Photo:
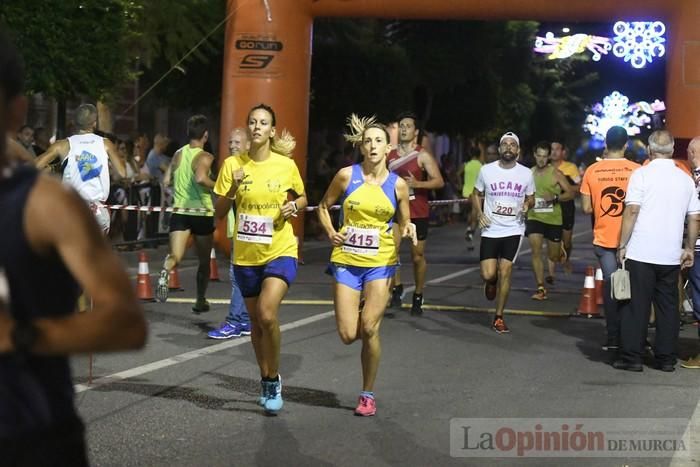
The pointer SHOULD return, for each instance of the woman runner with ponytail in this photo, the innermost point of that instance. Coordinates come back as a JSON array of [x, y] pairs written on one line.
[[364, 256], [264, 246]]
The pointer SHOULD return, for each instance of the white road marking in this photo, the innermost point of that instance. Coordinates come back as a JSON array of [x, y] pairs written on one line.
[[183, 357]]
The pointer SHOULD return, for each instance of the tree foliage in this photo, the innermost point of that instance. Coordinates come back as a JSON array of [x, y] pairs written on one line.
[[93, 47], [471, 77], [72, 47], [182, 51]]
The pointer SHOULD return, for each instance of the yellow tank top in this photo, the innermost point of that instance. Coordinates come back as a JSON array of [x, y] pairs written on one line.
[[367, 216]]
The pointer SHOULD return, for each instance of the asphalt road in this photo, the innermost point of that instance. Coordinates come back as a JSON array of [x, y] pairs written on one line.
[[190, 401]]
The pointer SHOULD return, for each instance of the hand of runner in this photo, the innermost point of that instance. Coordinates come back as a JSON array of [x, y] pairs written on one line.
[[238, 176], [484, 221], [337, 238], [410, 232], [410, 180], [289, 209]]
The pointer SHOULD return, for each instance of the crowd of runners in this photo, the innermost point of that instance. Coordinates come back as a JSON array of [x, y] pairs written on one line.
[[383, 199]]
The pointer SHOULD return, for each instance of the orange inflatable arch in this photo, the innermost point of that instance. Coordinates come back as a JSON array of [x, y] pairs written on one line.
[[268, 50]]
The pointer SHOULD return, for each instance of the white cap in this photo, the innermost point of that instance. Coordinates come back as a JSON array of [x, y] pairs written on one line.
[[510, 134]]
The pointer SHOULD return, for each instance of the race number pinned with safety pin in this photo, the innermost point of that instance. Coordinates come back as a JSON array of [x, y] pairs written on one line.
[[505, 208], [254, 229], [543, 206], [361, 241]]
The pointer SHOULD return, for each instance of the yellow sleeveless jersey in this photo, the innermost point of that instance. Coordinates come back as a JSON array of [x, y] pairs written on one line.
[[260, 232], [367, 216], [570, 170]]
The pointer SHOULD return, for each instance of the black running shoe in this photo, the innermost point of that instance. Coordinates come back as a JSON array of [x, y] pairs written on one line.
[[396, 296], [417, 306]]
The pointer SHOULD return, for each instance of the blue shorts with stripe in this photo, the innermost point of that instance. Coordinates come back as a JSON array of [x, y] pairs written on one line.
[[356, 277]]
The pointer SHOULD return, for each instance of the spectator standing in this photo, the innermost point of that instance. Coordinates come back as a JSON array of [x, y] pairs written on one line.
[[603, 191], [659, 192]]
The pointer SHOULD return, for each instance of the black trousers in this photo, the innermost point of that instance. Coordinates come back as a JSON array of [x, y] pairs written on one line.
[[658, 284]]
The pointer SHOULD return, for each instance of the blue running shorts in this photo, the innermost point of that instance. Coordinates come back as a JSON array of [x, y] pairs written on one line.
[[250, 278], [356, 276]]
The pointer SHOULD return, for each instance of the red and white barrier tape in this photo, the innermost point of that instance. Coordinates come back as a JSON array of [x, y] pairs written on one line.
[[133, 207]]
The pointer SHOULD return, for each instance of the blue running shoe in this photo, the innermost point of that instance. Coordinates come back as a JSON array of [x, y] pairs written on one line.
[[225, 331], [244, 329], [264, 391], [274, 402]]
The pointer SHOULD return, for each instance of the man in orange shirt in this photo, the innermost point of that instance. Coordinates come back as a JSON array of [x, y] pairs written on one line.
[[603, 191]]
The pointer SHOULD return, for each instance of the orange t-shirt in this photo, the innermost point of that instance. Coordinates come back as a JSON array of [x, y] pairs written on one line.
[[681, 164], [606, 183]]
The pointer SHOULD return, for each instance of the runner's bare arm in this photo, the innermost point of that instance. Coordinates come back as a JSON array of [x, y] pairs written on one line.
[[529, 202], [202, 169], [568, 193], [477, 202], [16, 152], [168, 176], [58, 149], [58, 221], [335, 190], [407, 229], [586, 204], [222, 206], [434, 181], [114, 158], [477, 198]]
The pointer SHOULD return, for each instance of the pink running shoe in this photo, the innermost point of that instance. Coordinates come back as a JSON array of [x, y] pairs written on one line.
[[366, 407]]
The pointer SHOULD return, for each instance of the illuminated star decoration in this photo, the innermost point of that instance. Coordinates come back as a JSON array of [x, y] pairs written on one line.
[[617, 111], [639, 42], [566, 46]]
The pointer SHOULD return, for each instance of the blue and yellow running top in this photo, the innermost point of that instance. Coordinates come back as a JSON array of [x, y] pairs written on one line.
[[367, 216]]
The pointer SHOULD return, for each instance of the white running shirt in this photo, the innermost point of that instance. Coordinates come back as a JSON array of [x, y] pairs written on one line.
[[87, 167], [504, 195]]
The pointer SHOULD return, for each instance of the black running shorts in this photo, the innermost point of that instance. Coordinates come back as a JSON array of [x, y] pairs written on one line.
[[497, 248], [198, 225]]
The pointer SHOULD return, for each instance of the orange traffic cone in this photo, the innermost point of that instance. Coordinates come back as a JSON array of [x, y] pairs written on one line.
[[174, 280], [144, 289], [213, 267], [599, 287], [587, 306]]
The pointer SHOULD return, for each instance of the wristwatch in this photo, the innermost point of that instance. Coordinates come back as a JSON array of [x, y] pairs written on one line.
[[24, 336]]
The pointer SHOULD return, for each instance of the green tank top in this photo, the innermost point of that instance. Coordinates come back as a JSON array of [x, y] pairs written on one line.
[[545, 184], [471, 173], [187, 193]]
